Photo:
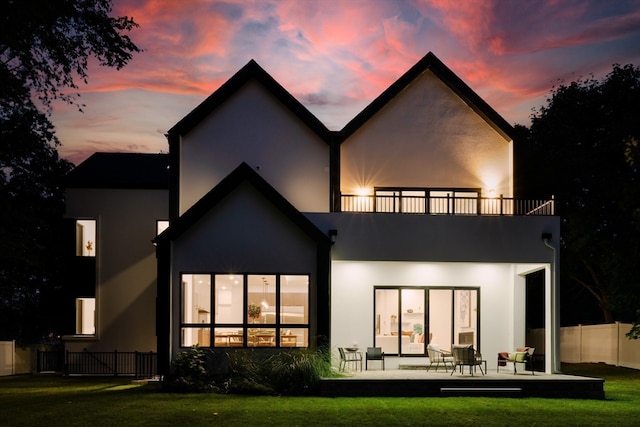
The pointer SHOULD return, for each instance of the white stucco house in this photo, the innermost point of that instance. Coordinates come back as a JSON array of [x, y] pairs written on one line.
[[398, 230]]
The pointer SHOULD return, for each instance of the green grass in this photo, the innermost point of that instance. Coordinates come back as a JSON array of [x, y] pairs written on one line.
[[60, 401]]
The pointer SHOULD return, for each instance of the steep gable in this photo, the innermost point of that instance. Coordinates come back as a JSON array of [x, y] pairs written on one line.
[[432, 63], [242, 174], [250, 71], [251, 119], [427, 130]]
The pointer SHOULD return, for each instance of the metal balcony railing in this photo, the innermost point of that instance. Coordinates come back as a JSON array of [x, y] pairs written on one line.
[[449, 205]]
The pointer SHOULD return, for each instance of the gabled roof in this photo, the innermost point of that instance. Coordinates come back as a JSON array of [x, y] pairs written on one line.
[[121, 170], [250, 71], [448, 77], [243, 173]]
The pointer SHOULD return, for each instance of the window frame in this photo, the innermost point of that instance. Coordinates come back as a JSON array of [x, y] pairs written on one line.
[[426, 320], [278, 327]]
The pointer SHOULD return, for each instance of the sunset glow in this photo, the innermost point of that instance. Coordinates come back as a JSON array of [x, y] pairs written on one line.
[[336, 56]]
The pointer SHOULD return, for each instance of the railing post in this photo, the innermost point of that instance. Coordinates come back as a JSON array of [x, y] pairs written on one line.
[[501, 204], [115, 362]]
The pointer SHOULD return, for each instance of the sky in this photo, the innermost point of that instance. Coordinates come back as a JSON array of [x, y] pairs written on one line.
[[336, 56]]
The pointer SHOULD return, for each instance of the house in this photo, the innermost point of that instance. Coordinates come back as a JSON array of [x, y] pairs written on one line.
[[116, 203], [399, 230]]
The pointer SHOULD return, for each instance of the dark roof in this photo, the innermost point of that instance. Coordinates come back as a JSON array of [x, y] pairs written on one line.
[[250, 71], [121, 170], [431, 62], [242, 173]]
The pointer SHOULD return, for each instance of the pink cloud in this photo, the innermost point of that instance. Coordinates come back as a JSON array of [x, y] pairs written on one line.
[[338, 58]]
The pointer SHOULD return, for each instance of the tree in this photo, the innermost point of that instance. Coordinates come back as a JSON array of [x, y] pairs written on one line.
[[45, 47], [582, 147]]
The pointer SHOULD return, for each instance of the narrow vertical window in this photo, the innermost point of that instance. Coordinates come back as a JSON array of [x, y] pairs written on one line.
[[85, 316], [229, 310], [261, 310], [86, 237], [196, 309], [294, 311]]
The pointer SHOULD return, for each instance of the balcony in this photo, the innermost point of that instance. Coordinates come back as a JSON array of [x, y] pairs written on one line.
[[422, 202]]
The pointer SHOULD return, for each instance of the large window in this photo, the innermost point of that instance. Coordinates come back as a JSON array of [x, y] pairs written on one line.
[[249, 310], [409, 318]]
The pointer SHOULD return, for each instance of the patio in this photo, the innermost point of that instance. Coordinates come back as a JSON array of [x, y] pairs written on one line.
[[408, 377]]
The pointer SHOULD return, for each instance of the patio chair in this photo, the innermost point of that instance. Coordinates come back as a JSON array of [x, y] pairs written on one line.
[[347, 357], [438, 357], [521, 355], [465, 355], [373, 353]]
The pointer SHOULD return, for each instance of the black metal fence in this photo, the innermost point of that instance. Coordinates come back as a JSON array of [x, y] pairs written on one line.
[[112, 363]]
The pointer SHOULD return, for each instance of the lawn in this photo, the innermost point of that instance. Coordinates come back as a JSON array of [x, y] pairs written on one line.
[[52, 400]]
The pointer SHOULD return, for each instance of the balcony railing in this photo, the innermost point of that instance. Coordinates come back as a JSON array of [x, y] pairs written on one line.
[[449, 205]]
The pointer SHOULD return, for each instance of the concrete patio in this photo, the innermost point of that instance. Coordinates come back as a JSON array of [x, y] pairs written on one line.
[[408, 377]]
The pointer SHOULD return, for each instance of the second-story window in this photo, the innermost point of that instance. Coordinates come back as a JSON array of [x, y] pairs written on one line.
[[86, 237]]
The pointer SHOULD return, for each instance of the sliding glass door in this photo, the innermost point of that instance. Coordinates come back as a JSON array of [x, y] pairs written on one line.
[[409, 318]]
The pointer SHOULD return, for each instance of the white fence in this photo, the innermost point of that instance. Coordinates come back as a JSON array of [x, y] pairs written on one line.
[[15, 359], [7, 358], [593, 344]]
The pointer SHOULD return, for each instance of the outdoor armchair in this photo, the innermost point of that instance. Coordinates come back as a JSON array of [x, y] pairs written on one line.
[[374, 353], [465, 355], [438, 357], [521, 355], [347, 357]]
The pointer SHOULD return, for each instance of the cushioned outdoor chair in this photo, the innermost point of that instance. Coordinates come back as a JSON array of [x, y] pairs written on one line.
[[374, 353], [439, 357], [521, 355], [465, 355], [347, 357]]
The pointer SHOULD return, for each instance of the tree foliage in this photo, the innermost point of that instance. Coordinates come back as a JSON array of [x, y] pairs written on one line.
[[45, 47], [46, 44], [583, 148]]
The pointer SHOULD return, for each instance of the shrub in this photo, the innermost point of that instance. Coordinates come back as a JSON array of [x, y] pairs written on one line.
[[191, 373], [247, 371], [298, 372]]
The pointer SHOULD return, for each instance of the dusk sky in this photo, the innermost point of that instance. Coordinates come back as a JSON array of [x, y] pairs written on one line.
[[336, 56]]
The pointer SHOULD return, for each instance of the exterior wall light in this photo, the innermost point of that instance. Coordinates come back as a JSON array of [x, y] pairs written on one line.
[[332, 235]]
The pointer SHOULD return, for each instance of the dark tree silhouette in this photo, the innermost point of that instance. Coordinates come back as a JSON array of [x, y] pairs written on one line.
[[45, 46], [583, 148]]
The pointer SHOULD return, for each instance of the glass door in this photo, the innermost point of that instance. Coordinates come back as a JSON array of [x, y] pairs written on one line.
[[409, 318], [387, 322], [400, 321], [412, 321]]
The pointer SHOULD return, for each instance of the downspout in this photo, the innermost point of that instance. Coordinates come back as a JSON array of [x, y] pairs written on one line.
[[555, 307]]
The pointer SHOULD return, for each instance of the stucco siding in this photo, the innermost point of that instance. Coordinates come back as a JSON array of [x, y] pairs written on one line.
[[254, 127], [427, 136], [126, 265], [501, 297], [445, 238], [244, 233]]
